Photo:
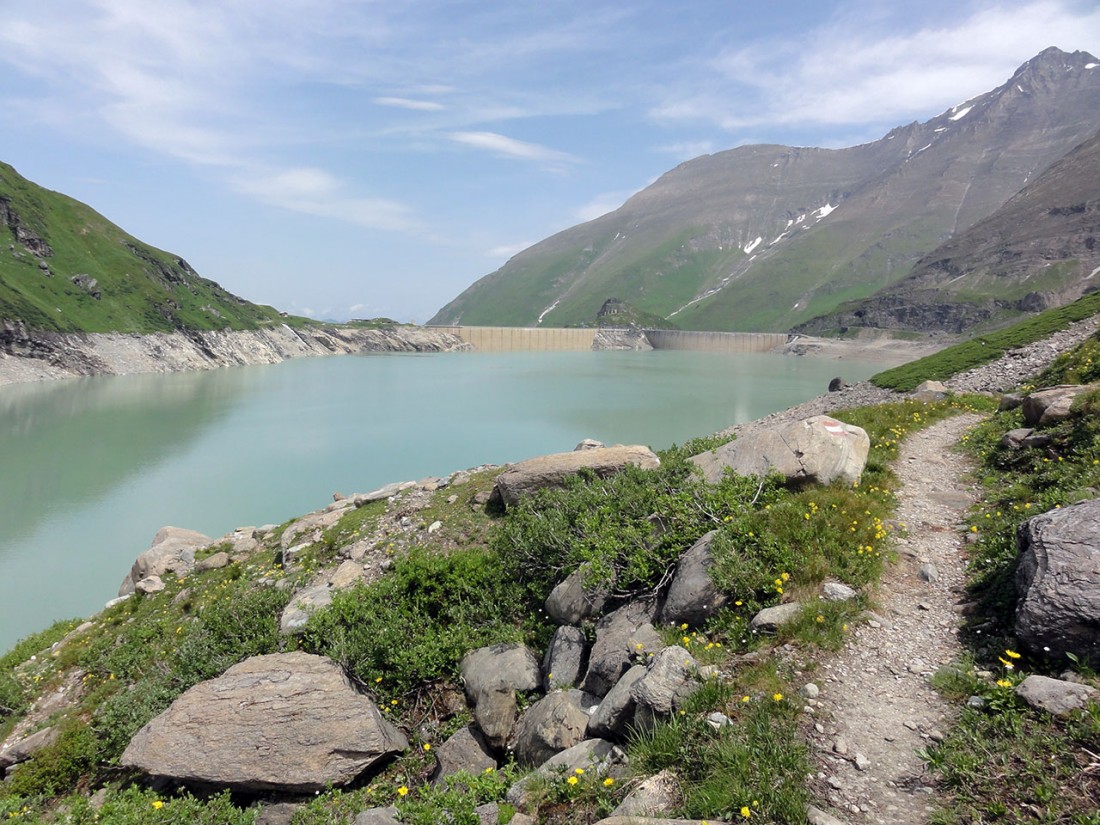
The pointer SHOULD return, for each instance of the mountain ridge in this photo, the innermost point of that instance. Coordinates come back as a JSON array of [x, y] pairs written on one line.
[[765, 237]]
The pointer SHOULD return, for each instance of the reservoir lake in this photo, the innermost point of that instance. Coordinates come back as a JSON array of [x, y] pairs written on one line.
[[91, 468]]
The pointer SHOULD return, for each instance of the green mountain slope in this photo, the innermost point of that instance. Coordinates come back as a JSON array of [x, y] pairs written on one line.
[[66, 268], [1040, 250], [767, 237]]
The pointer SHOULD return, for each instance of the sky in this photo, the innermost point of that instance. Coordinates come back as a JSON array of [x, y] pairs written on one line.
[[356, 159]]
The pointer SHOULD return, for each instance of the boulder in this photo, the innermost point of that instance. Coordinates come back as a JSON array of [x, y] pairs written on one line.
[[571, 602], [588, 444], [656, 795], [769, 619], [1052, 404], [172, 551], [551, 725], [565, 659], [348, 574], [623, 638], [466, 750], [615, 713], [837, 592], [12, 753], [378, 816], [303, 604], [693, 596], [815, 450], [668, 679], [1009, 401], [149, 585], [549, 471], [597, 755], [215, 561], [1058, 581], [491, 676], [1055, 696], [287, 722]]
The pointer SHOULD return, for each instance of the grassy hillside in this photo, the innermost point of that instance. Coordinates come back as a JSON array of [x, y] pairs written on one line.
[[121, 285]]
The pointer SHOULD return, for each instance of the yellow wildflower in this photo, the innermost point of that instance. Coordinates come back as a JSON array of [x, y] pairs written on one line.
[[778, 697], [572, 780], [607, 783], [403, 790], [158, 804]]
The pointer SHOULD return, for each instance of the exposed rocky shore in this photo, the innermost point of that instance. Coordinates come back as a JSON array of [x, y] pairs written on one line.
[[27, 355]]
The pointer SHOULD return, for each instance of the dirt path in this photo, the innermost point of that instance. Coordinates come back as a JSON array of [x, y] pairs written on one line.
[[879, 706]]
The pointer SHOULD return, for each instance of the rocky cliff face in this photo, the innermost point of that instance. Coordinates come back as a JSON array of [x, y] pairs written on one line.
[[29, 355]]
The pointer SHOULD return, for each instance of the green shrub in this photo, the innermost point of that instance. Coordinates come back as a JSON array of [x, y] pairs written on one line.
[[412, 626], [56, 768]]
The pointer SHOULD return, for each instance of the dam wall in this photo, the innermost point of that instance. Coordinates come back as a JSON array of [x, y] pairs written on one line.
[[534, 339], [736, 342]]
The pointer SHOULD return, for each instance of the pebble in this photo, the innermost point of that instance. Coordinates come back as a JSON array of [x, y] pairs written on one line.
[[862, 762], [810, 691], [840, 745]]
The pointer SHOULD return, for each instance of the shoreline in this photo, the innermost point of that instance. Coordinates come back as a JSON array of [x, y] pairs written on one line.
[[27, 356]]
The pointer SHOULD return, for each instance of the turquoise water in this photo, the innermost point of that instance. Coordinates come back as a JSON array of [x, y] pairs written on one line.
[[91, 468]]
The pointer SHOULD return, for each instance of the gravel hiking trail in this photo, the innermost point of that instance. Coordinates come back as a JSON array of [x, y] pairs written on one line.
[[877, 708]]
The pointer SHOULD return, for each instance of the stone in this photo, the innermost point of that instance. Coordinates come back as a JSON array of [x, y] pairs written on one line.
[[862, 762], [669, 678], [490, 677], [348, 574], [149, 585], [495, 715], [1058, 582], [615, 713], [818, 450], [816, 816], [215, 561], [303, 604], [550, 471], [931, 386], [718, 720], [378, 816], [693, 596], [382, 493], [769, 619], [1056, 696], [1014, 439], [286, 722], [571, 602], [588, 444], [171, 551], [623, 638], [277, 813], [837, 592], [487, 814], [1009, 401], [928, 573], [1052, 404], [840, 746], [13, 753], [596, 755], [565, 660], [809, 691], [465, 750], [551, 725], [656, 795]]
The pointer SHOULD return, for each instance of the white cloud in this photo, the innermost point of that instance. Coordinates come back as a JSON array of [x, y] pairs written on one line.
[[316, 192], [408, 103], [861, 67], [512, 148], [505, 251]]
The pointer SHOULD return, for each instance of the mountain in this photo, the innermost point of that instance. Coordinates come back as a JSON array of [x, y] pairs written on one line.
[[767, 237], [1039, 250], [66, 268]]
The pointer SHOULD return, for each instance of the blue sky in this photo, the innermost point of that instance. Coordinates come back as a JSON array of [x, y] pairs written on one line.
[[351, 158]]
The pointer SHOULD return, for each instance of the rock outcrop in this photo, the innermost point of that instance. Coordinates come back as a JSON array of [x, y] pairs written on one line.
[[289, 722], [172, 551], [818, 449], [1058, 580], [549, 471]]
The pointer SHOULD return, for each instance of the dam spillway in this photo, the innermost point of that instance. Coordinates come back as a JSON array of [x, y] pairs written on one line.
[[558, 339]]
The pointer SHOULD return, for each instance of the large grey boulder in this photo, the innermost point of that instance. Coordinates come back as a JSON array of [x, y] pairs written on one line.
[[172, 551], [815, 450], [565, 659], [693, 596], [289, 722], [20, 750], [551, 725], [491, 676], [1052, 404], [623, 638], [770, 619], [466, 750], [653, 796], [1058, 580], [669, 678], [303, 604], [549, 471], [1055, 696], [571, 601], [616, 712]]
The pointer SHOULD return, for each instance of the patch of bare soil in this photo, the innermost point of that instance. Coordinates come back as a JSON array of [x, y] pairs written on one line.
[[879, 707]]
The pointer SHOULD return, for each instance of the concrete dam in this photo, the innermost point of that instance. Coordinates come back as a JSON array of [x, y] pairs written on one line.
[[535, 339]]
